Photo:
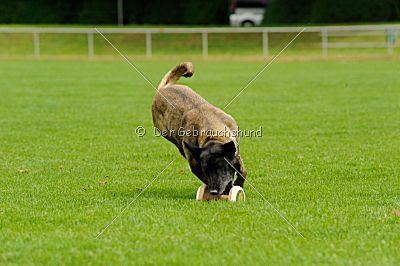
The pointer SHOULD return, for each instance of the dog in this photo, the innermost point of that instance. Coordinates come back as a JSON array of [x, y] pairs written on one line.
[[191, 123]]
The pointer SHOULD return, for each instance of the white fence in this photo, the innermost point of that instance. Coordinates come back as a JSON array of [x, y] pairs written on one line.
[[389, 31]]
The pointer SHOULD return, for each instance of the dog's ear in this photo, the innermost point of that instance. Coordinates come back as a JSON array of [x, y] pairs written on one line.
[[195, 151], [229, 149]]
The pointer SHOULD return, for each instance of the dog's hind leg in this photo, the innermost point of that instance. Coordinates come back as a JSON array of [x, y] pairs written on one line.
[[182, 152], [241, 176]]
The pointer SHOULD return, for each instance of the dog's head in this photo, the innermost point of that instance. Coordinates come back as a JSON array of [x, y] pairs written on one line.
[[216, 160]]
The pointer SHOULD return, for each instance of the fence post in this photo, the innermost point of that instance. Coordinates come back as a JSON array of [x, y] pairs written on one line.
[[90, 45], [36, 44], [148, 43], [204, 38], [265, 43], [324, 34], [390, 39]]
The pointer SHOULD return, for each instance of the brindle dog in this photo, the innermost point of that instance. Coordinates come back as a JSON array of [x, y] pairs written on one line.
[[191, 123]]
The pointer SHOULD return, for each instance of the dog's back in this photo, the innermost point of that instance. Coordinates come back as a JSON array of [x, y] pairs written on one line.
[[176, 105]]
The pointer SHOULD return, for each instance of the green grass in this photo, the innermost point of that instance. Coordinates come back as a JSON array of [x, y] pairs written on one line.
[[328, 161]]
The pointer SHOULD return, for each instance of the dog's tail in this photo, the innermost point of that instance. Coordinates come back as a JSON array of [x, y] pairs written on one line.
[[182, 70]]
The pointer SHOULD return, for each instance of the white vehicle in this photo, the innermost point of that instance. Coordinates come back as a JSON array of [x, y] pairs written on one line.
[[247, 13]]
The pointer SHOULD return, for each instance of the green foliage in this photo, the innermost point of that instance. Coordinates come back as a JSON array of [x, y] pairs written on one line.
[[153, 12], [331, 11], [177, 12], [197, 12], [105, 11], [97, 12], [40, 11], [287, 11], [355, 11]]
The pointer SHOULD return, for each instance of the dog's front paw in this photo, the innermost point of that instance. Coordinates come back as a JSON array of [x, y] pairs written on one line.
[[239, 183]]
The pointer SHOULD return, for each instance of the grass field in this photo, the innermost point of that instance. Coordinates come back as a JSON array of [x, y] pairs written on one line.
[[328, 160]]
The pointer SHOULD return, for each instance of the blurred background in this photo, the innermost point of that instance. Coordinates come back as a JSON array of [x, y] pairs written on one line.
[[233, 28]]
